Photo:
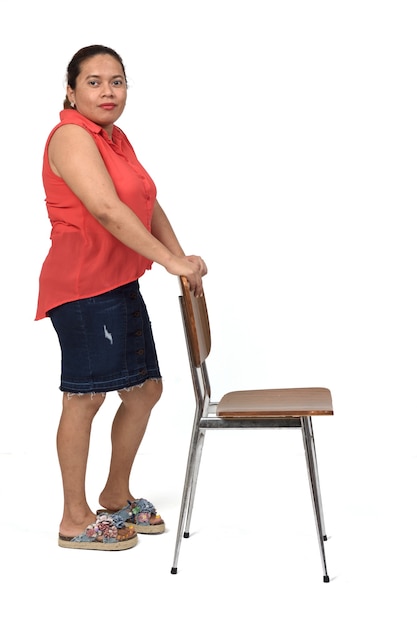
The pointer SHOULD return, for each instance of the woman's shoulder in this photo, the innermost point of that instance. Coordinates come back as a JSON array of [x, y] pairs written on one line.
[[72, 121], [71, 116]]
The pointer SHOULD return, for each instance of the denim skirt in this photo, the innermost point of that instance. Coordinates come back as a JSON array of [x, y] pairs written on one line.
[[106, 342]]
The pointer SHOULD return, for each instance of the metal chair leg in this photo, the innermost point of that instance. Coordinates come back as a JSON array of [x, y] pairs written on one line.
[[316, 471], [187, 490], [309, 448], [194, 478]]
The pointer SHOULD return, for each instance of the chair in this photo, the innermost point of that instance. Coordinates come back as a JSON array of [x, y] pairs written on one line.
[[261, 408]]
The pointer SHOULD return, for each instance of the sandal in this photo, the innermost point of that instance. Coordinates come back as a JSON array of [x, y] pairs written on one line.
[[108, 532], [138, 514]]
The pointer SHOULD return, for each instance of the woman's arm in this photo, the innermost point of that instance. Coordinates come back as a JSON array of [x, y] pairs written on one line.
[[163, 231], [74, 157]]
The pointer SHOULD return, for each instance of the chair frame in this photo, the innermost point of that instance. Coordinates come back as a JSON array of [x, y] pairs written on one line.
[[210, 415]]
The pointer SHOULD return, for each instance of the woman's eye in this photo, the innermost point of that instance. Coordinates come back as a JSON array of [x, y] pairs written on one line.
[[118, 83], [93, 83]]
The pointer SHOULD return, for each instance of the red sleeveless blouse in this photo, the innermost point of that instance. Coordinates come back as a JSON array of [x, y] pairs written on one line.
[[84, 259]]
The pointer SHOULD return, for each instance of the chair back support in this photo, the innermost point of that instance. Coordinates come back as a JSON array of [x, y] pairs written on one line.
[[197, 324]]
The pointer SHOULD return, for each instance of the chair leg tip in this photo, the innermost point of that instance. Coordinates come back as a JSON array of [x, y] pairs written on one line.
[[326, 579], [174, 570], [186, 535], [324, 537]]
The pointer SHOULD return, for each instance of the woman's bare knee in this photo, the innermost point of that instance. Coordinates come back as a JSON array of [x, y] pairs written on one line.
[[147, 394], [87, 403]]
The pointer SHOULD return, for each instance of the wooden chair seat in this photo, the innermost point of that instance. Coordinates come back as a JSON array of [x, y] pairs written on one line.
[[261, 403]]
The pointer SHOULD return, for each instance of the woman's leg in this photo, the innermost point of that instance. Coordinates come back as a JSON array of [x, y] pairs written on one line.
[[73, 441], [128, 429]]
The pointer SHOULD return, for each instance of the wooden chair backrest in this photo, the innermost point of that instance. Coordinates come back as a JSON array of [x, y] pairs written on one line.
[[197, 324]]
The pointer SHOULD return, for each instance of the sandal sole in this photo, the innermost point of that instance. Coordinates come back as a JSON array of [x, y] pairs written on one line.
[[151, 529], [98, 545]]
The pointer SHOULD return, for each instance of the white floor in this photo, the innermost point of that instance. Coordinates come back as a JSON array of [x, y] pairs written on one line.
[[253, 554]]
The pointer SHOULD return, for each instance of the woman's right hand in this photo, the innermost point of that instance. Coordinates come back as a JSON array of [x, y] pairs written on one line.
[[193, 268]]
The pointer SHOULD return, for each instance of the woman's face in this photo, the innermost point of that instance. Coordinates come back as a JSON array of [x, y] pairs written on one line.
[[100, 91]]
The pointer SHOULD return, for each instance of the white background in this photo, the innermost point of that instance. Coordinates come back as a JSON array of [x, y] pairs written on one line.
[[281, 136]]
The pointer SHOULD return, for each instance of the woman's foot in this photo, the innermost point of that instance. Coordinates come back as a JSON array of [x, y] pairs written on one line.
[[73, 526], [141, 514], [106, 532]]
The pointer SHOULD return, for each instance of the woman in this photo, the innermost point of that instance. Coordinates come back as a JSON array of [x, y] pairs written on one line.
[[107, 229]]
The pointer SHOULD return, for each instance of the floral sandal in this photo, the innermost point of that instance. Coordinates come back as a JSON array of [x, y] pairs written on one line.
[[108, 532], [138, 513]]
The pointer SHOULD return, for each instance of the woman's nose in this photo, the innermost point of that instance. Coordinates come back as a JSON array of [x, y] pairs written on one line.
[[107, 89]]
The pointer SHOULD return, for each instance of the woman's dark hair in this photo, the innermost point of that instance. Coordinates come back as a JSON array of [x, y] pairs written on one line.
[[74, 66]]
